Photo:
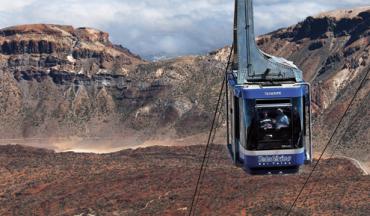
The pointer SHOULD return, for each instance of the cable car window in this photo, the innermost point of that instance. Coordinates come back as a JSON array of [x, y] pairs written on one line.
[[274, 125], [271, 127]]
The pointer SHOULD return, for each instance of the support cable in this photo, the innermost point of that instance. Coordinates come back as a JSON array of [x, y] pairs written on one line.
[[327, 145], [206, 152], [207, 160], [341, 138]]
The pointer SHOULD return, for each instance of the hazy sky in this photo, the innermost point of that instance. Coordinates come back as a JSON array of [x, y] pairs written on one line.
[[164, 27]]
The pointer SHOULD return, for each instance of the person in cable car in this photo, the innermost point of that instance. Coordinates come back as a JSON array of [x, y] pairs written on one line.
[[282, 121], [266, 122]]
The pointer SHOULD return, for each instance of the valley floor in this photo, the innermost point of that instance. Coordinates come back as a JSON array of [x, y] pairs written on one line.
[[161, 181]]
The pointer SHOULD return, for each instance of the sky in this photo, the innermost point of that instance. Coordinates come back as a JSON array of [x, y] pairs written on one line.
[[153, 28]]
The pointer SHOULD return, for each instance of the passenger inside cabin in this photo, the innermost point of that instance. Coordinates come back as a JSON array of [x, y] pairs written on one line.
[[282, 121], [266, 122]]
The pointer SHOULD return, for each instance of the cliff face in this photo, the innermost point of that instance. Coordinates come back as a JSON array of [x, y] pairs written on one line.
[[59, 81], [53, 76], [62, 48]]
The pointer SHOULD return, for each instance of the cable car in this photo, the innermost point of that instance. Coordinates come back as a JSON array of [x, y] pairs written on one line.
[[269, 104]]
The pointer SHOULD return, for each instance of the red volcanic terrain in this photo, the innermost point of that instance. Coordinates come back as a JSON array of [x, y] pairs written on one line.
[[161, 180]]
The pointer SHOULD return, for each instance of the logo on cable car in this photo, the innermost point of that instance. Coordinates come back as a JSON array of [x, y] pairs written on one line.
[[273, 93], [274, 159]]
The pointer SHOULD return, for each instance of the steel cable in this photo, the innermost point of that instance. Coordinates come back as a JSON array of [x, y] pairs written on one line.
[[327, 145], [209, 140]]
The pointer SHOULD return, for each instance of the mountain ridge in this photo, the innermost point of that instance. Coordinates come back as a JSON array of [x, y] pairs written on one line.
[[84, 86]]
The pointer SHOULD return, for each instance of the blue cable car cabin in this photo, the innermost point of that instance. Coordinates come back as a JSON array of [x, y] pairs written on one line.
[[269, 127], [269, 106]]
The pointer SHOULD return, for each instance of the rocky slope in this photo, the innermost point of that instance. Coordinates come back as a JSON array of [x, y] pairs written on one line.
[[160, 181], [50, 72], [57, 81], [333, 51]]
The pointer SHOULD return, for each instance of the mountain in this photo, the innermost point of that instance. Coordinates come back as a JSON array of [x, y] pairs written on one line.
[[55, 76], [57, 81], [333, 51]]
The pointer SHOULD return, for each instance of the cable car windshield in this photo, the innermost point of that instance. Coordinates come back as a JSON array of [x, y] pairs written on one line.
[[275, 126]]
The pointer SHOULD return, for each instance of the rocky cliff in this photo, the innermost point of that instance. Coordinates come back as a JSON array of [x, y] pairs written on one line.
[[57, 81]]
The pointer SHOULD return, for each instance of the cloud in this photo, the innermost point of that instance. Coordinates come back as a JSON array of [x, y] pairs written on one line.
[[14, 5], [164, 27]]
